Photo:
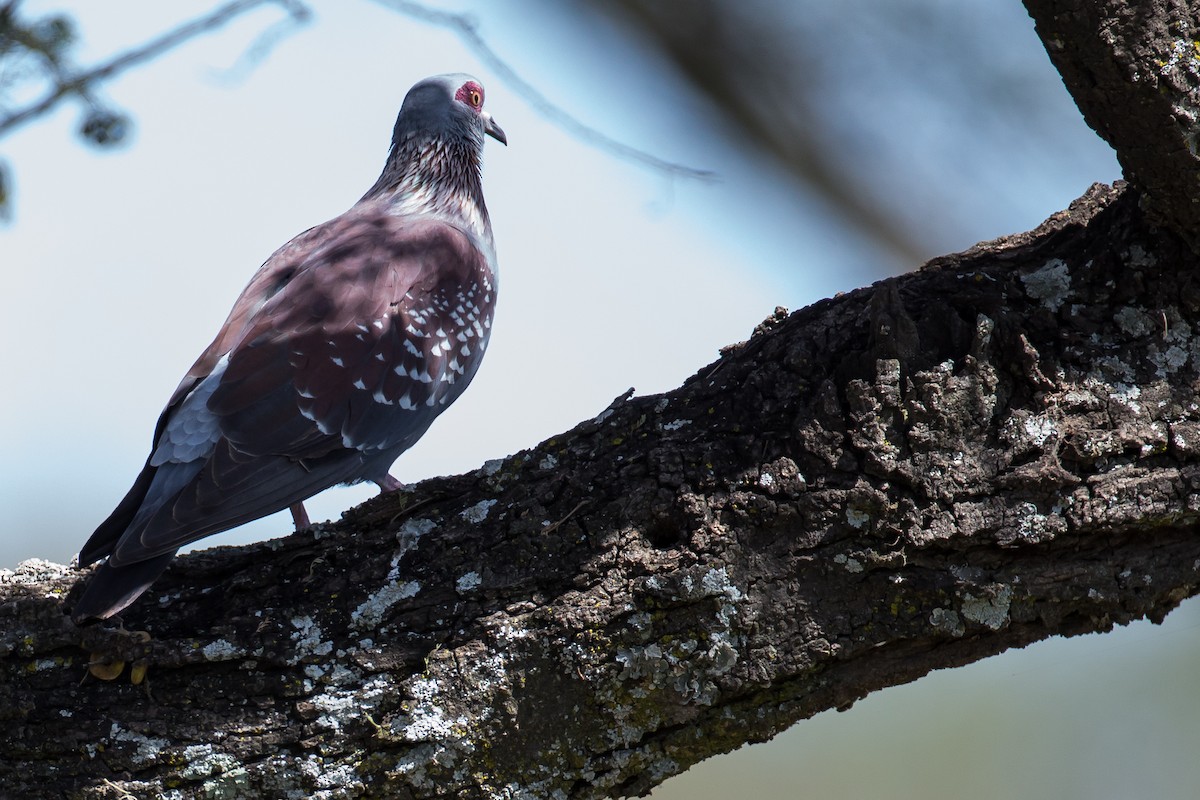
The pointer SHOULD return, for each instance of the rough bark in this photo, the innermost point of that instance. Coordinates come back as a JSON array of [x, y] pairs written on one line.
[[1001, 447], [1133, 67]]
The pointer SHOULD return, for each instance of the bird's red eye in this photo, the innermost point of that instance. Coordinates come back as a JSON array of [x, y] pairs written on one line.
[[471, 93]]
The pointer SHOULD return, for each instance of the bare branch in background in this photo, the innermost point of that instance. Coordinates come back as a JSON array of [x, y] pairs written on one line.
[[267, 41], [68, 84], [38, 50], [468, 30], [755, 74], [896, 114]]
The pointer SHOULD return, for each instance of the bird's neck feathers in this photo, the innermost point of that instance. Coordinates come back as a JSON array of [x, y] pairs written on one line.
[[426, 175]]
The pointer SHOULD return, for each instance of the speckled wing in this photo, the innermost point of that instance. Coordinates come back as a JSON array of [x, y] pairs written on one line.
[[351, 354], [339, 360]]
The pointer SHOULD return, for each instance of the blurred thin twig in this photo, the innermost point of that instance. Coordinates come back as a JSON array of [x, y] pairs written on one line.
[[254, 55], [468, 30]]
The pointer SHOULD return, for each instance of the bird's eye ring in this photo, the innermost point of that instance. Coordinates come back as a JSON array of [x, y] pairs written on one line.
[[471, 94]]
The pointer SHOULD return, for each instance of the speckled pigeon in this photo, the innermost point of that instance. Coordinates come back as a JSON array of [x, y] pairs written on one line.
[[336, 358]]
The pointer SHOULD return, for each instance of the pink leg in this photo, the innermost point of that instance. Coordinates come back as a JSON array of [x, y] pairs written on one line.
[[389, 484], [299, 516]]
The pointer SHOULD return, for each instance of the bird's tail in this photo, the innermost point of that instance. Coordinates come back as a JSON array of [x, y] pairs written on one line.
[[110, 589]]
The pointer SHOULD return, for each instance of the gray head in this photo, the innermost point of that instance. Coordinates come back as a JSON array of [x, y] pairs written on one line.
[[448, 108], [433, 166]]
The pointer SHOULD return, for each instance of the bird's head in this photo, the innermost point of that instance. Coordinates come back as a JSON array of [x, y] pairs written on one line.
[[434, 164], [446, 107]]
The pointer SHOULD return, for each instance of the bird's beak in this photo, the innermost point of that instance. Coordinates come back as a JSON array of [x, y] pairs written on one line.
[[493, 130]]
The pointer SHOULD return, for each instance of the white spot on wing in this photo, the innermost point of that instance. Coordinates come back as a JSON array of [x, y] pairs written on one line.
[[321, 426]]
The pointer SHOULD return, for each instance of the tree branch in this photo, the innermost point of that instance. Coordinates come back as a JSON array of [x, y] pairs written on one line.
[[915, 475], [748, 86], [1131, 66], [79, 83]]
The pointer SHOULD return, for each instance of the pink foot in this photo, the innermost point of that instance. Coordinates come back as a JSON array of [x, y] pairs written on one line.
[[299, 516], [388, 484]]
